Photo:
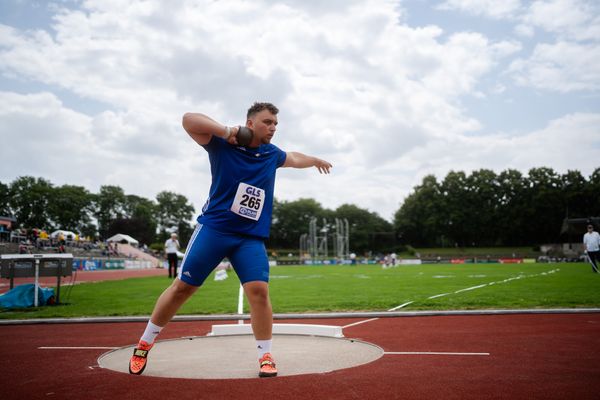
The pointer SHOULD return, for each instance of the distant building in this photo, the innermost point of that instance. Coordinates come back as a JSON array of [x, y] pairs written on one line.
[[7, 222], [6, 225]]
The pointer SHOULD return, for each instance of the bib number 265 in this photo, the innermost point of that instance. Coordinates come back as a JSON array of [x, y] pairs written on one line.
[[249, 201]]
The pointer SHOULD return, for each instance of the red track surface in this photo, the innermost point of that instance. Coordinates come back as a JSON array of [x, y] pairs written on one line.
[[534, 356]]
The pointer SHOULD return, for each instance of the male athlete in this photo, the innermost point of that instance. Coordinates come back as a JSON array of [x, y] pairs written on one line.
[[234, 223]]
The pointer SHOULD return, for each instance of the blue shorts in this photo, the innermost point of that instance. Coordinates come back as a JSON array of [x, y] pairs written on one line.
[[208, 247]]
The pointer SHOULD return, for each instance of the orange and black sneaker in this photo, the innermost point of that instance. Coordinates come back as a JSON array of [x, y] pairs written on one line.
[[267, 366], [137, 363]]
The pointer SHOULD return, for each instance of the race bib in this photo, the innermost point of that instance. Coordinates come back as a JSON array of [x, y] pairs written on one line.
[[249, 201]]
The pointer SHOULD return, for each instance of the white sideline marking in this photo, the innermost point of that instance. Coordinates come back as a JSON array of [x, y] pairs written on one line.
[[359, 322], [400, 306], [483, 285], [76, 348], [472, 288], [433, 353], [438, 295]]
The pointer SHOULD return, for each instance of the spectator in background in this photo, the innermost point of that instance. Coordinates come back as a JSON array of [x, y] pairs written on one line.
[[171, 249], [591, 245], [61, 239], [44, 238]]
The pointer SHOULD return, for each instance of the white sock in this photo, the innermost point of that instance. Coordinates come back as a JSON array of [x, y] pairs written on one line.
[[151, 332], [263, 347]]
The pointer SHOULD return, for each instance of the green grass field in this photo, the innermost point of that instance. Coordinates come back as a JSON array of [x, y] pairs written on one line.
[[302, 289]]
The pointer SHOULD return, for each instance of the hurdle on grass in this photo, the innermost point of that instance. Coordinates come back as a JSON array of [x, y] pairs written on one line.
[[34, 266]]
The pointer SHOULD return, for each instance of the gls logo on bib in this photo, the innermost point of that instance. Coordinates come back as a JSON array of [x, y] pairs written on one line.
[[249, 201]]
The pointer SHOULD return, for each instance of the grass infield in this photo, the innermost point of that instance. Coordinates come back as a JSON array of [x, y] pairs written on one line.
[[303, 289]]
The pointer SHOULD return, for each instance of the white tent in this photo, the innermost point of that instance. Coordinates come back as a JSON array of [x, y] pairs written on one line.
[[68, 235], [120, 237]]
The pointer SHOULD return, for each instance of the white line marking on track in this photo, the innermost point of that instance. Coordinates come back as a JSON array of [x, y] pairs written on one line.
[[433, 353], [359, 322], [76, 348]]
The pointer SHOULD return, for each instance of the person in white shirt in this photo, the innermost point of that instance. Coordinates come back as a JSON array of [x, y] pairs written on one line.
[[394, 258], [591, 245], [171, 249]]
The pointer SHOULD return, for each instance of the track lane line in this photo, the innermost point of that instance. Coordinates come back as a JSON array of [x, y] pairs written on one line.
[[433, 353], [76, 348], [359, 322]]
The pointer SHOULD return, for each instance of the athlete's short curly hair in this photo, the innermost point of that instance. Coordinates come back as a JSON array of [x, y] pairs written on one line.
[[258, 107]]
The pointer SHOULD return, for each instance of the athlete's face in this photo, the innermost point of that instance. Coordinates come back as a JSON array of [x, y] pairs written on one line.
[[264, 125]]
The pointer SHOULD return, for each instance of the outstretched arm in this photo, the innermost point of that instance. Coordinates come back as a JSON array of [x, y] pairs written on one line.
[[298, 160], [201, 128]]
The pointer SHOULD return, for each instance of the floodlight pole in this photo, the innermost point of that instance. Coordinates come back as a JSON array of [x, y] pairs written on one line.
[[347, 238], [312, 237]]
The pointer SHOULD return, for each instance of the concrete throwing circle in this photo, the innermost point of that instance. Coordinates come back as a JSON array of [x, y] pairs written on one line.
[[235, 356]]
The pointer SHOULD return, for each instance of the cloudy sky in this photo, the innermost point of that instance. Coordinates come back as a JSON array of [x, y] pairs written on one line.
[[92, 92]]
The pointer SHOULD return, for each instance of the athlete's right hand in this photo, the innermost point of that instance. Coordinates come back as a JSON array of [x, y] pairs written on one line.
[[232, 139]]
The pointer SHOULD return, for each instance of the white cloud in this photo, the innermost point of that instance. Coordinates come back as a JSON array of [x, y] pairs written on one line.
[[568, 142], [524, 30], [44, 138], [489, 8], [561, 67], [52, 141], [378, 98], [564, 140], [569, 19], [467, 57], [568, 61]]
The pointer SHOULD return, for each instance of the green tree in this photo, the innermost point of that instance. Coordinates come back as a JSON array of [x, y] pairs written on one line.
[[368, 231], [421, 219], [481, 199], [174, 211], [138, 220], [139, 207], [4, 200], [109, 204], [454, 203], [510, 224], [291, 219], [70, 207], [29, 199], [576, 203], [592, 193], [488, 209], [546, 205], [137, 228]]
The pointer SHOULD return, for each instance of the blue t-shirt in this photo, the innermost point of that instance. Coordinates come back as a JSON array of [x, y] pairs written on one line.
[[241, 193]]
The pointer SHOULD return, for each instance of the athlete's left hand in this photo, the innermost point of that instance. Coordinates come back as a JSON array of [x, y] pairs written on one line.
[[323, 166]]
